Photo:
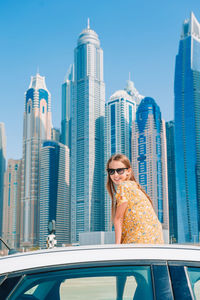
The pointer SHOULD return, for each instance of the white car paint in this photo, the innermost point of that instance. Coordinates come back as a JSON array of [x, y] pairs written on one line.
[[105, 253]]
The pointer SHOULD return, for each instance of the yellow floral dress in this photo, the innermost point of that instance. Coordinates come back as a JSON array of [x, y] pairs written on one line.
[[140, 224]]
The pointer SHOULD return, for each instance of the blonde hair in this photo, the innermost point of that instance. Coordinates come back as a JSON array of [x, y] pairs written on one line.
[[110, 185]]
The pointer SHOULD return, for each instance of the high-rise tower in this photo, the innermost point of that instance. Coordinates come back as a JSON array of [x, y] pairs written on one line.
[[171, 171], [120, 112], [54, 192], [67, 96], [150, 157], [2, 170], [37, 127], [187, 131], [11, 208], [86, 134]]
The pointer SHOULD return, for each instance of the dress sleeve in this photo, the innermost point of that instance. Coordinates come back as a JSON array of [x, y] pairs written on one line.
[[121, 194]]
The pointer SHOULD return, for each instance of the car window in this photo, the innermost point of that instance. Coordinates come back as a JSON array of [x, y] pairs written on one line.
[[109, 283], [7, 285], [194, 276], [180, 282]]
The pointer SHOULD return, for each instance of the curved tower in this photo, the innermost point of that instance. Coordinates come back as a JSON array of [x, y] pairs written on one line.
[[87, 136], [150, 157], [37, 127]]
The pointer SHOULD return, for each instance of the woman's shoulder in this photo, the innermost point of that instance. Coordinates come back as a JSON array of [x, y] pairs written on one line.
[[127, 184]]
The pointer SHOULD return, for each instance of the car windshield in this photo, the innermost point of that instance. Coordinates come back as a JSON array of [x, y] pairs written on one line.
[[110, 283]]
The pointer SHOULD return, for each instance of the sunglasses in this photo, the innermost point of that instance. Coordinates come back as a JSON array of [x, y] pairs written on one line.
[[119, 171]]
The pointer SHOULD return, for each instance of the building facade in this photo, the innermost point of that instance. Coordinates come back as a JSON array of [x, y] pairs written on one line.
[[171, 171], [11, 205], [83, 123], [54, 192], [66, 116], [187, 131], [133, 92], [120, 112], [37, 127], [150, 157], [55, 134], [2, 170]]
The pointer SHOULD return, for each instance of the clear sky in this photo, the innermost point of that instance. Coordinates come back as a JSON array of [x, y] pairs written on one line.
[[140, 37]]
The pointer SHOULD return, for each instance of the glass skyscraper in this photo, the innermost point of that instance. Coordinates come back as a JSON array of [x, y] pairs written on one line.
[[11, 207], [55, 134], [37, 127], [150, 157], [171, 171], [66, 115], [187, 131], [120, 111], [54, 192], [2, 170], [83, 132]]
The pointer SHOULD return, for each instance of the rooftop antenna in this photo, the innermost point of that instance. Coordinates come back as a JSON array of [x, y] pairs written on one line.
[[88, 23], [37, 69], [129, 76]]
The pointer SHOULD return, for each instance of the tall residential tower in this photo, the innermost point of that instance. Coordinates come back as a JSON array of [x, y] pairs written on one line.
[[171, 171], [11, 208], [37, 127], [54, 192], [120, 112], [150, 157], [187, 131], [84, 133], [2, 170]]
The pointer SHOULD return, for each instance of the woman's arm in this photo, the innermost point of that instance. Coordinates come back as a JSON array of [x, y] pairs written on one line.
[[119, 216]]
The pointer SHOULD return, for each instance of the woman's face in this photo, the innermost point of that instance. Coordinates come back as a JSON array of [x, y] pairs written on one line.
[[121, 175]]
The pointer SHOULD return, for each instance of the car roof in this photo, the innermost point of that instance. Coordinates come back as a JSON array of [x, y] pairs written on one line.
[[100, 253]]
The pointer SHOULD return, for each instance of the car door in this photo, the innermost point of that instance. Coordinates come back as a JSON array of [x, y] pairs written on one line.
[[109, 281]]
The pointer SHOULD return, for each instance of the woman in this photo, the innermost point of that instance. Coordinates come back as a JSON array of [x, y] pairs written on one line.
[[132, 212]]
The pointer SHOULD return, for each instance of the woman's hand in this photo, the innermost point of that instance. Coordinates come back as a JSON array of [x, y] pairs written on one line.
[[118, 221]]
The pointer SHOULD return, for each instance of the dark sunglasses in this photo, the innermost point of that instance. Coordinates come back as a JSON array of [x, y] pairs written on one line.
[[119, 171]]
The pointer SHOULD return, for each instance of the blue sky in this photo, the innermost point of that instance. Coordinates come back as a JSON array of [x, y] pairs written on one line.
[[140, 37]]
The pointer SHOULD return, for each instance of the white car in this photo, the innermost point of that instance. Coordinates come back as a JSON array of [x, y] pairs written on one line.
[[107, 272]]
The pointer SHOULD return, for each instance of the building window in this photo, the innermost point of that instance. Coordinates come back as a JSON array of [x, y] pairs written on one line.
[[143, 179], [142, 149], [43, 109], [142, 167], [142, 139]]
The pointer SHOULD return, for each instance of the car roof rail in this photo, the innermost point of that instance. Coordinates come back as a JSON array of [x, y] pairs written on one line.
[[10, 250]]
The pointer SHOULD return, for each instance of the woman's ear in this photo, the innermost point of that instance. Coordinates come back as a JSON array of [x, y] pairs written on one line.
[[128, 172]]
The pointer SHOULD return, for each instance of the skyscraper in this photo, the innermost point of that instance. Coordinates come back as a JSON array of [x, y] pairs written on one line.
[[54, 192], [86, 98], [37, 127], [133, 92], [120, 111], [2, 169], [187, 131], [150, 157], [67, 96], [171, 171], [11, 207], [55, 134]]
